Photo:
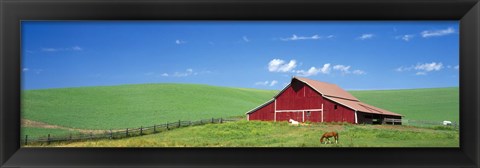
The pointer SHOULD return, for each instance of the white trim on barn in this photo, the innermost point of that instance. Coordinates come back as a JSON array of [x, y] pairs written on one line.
[[303, 116], [275, 110], [280, 111], [322, 112], [356, 119]]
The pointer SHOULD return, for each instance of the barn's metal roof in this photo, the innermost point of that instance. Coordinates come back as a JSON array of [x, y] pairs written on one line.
[[327, 89], [362, 107]]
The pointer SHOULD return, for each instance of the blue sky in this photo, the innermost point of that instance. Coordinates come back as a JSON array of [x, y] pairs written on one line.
[[265, 55]]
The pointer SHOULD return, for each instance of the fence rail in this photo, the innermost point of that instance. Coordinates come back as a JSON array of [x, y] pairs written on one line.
[[117, 134]]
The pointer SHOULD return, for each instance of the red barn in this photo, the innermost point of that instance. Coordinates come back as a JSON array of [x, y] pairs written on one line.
[[310, 100]]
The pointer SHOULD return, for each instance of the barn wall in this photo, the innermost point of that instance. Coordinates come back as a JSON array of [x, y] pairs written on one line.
[[285, 116], [315, 116], [341, 114], [266, 113], [299, 96]]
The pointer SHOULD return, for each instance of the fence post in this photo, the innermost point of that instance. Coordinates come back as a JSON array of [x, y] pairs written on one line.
[[221, 120], [26, 139], [48, 139], [167, 126], [91, 134], [126, 133], [201, 122], [212, 119], [189, 123], [141, 130], [154, 128], [179, 124]]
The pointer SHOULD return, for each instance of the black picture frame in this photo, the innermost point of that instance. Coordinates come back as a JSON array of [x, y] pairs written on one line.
[[14, 11]]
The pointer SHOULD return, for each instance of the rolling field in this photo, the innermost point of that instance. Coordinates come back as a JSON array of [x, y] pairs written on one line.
[[120, 107], [43, 132], [280, 134], [434, 104], [87, 109]]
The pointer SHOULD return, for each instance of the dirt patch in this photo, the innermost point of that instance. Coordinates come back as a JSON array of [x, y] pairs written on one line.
[[37, 124]]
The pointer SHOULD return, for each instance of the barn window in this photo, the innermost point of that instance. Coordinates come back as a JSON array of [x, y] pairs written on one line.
[[308, 113], [335, 107]]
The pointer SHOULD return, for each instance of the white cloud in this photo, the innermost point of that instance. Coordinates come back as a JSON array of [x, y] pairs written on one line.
[[456, 67], [421, 73], [74, 48], [188, 72], [359, 72], [401, 69], [278, 65], [434, 33], [25, 69], [180, 42], [77, 48], [406, 37], [366, 36], [325, 69], [273, 82], [314, 37], [50, 49], [345, 69], [314, 71], [422, 69], [429, 67], [245, 39], [342, 68], [267, 83]]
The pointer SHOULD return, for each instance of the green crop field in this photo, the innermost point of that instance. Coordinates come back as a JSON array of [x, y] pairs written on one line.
[[281, 134], [131, 106], [34, 132], [434, 104], [127, 106]]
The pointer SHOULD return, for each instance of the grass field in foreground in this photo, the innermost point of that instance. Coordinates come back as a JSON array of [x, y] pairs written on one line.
[[280, 134]]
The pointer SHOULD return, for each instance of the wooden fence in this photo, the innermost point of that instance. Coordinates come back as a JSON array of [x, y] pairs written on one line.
[[128, 132]]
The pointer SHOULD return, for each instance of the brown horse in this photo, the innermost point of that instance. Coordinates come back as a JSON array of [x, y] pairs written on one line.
[[328, 135]]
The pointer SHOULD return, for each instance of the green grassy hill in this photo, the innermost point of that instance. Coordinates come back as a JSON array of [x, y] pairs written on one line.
[[128, 106], [435, 104], [132, 106], [280, 134]]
